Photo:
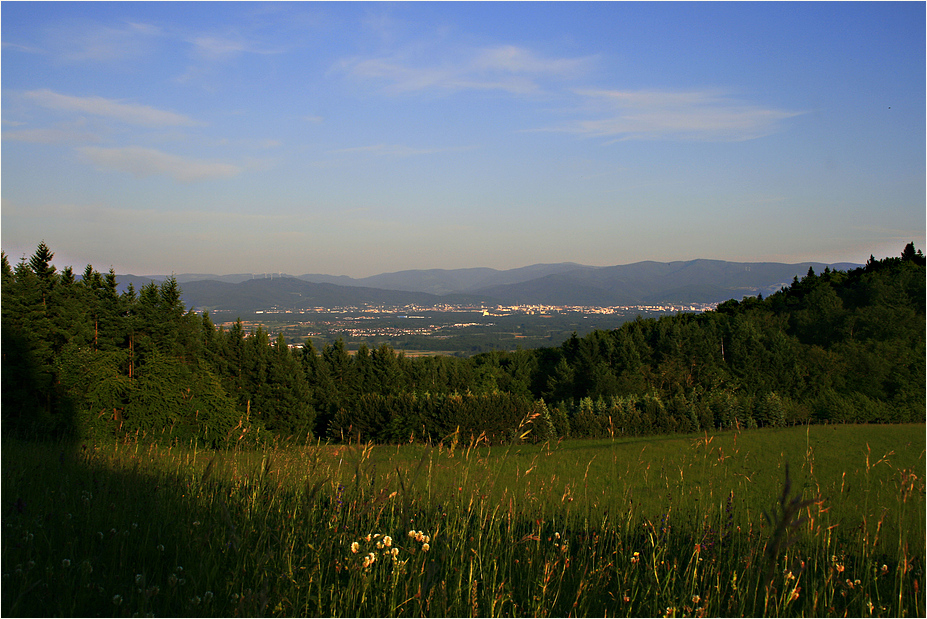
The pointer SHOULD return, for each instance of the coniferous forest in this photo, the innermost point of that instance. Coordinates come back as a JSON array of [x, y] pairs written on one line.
[[81, 359]]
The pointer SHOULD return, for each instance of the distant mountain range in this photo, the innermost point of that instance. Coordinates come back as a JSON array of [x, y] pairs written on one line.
[[641, 283]]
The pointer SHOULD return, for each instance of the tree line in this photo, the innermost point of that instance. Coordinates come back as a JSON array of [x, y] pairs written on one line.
[[81, 359]]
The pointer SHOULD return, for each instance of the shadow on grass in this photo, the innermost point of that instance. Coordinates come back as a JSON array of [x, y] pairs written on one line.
[[122, 530]]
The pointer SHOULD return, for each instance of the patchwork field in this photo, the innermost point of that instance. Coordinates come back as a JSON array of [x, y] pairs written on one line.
[[804, 521]]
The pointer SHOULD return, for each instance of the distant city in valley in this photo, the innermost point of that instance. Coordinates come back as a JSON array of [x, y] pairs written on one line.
[[467, 311], [460, 329], [445, 329], [501, 310]]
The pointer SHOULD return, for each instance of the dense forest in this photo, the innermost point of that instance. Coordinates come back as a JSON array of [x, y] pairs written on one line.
[[80, 359]]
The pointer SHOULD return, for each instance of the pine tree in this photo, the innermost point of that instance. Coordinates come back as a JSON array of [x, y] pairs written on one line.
[[386, 372], [292, 412]]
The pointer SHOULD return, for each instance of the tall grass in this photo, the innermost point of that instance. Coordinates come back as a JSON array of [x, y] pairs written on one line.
[[819, 521]]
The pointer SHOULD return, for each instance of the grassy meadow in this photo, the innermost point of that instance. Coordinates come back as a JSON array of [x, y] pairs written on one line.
[[802, 521]]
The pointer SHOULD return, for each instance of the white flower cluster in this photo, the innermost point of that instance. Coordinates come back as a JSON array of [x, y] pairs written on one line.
[[378, 542], [425, 540]]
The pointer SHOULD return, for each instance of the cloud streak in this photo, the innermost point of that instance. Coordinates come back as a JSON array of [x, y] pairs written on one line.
[[683, 115], [83, 42], [51, 135], [144, 162], [130, 113], [394, 150], [506, 68], [215, 47]]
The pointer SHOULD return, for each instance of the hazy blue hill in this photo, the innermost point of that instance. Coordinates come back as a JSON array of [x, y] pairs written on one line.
[[528, 273], [137, 281], [433, 281], [230, 279], [695, 281], [140, 280], [294, 293], [446, 281], [558, 289], [641, 283], [649, 282], [747, 275], [319, 278]]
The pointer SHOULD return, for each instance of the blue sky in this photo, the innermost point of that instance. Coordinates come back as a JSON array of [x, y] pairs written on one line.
[[360, 138]]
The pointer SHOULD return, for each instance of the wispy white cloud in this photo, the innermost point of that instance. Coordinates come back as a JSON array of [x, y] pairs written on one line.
[[505, 68], [78, 42], [30, 49], [144, 162], [682, 115], [131, 113], [210, 52], [82, 41], [51, 135], [216, 47], [394, 150], [513, 59]]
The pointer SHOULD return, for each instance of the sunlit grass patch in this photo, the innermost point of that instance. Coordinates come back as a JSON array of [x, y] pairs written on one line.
[[687, 525]]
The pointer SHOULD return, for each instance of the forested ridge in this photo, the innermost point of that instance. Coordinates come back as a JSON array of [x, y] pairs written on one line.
[[81, 359]]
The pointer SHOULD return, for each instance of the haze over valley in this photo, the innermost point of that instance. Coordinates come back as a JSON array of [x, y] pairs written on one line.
[[466, 311], [695, 282]]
